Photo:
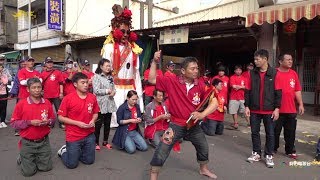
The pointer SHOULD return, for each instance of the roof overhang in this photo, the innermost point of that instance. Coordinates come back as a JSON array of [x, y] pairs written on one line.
[[203, 28], [284, 12]]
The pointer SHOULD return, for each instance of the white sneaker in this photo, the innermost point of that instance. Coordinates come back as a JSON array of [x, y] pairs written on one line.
[[255, 157], [3, 124], [269, 161], [62, 150]]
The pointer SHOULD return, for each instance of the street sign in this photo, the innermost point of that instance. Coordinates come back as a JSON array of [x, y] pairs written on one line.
[[174, 36], [54, 14]]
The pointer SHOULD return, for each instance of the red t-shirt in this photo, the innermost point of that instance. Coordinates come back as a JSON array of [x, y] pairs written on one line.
[[148, 89], [225, 87], [289, 83], [28, 110], [89, 74], [216, 115], [237, 94], [75, 108], [182, 102], [134, 115], [24, 74], [262, 76], [68, 86], [51, 83], [162, 124], [170, 74], [204, 79]]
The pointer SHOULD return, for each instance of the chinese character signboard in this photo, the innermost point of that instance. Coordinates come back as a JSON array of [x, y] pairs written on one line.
[[54, 14], [174, 36]]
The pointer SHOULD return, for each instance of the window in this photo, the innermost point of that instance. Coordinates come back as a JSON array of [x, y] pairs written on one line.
[[40, 17]]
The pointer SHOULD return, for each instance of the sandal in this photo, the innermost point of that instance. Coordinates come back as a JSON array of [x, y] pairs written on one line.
[[235, 125], [107, 145]]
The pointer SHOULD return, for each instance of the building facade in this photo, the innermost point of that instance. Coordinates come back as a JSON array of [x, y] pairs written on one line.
[[292, 26], [8, 25]]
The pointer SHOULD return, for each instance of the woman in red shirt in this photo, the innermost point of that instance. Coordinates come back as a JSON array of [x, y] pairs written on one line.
[[128, 135]]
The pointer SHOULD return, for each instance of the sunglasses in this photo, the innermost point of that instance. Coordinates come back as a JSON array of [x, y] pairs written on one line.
[[124, 31]]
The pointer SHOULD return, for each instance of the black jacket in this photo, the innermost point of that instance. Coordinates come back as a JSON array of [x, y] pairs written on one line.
[[271, 97]]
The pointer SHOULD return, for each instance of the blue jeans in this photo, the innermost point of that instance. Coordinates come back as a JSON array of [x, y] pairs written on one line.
[[82, 150], [212, 127], [134, 141], [255, 121], [156, 138], [195, 135]]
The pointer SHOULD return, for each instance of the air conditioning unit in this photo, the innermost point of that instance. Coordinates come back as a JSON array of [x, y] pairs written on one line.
[[263, 3]]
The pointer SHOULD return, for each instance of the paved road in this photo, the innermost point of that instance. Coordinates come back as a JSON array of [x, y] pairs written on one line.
[[227, 158]]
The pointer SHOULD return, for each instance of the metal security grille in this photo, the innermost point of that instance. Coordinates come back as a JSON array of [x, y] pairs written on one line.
[[309, 72]]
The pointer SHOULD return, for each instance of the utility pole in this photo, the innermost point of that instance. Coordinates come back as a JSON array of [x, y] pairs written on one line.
[[150, 6], [141, 16], [29, 41], [125, 3]]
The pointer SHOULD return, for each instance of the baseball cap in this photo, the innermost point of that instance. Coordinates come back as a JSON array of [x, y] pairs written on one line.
[[221, 68], [69, 61], [48, 59], [30, 58], [86, 63], [170, 63], [207, 72]]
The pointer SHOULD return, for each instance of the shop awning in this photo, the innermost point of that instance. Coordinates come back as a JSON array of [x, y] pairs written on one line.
[[284, 12], [11, 54]]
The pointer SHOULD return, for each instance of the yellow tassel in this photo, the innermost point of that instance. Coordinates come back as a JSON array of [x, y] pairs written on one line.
[[136, 49], [109, 39]]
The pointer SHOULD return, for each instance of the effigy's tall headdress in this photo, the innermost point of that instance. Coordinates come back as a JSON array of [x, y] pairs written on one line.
[[121, 16]]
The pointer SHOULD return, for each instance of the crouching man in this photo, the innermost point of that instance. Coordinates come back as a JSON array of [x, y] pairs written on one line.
[[157, 119], [32, 117], [79, 111]]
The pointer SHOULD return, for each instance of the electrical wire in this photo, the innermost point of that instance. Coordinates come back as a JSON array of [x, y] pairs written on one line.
[[78, 15], [210, 10]]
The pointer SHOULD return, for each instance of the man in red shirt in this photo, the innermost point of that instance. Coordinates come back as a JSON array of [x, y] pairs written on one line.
[[206, 78], [157, 118], [222, 76], [249, 67], [32, 116], [262, 102], [170, 68], [185, 94], [24, 75], [52, 84], [236, 103], [72, 68], [149, 88], [291, 92], [214, 121], [78, 111], [87, 71]]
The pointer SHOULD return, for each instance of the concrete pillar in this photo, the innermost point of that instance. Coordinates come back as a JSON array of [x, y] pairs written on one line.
[[67, 52], [150, 7], [265, 40]]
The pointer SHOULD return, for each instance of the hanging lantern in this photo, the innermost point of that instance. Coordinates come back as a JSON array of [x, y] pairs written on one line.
[[290, 27]]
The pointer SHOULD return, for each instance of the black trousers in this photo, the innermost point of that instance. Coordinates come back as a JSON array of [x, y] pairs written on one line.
[[289, 123], [3, 108], [104, 119], [56, 103]]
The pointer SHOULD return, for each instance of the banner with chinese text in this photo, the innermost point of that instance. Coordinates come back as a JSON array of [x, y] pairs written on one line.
[[54, 14]]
